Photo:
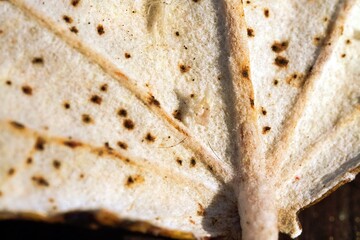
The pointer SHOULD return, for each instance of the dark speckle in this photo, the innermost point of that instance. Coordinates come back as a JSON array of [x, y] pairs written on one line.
[[154, 101], [127, 55], [29, 160], [122, 112], [66, 105], [281, 61], [75, 2], [348, 41], [263, 111], [8, 82], [192, 162], [266, 129], [39, 180], [96, 99], [280, 46], [56, 164], [37, 60], [67, 19], [72, 144], [276, 82], [177, 115], [86, 118], [122, 145], [74, 29], [40, 144], [100, 29], [179, 161], [245, 72], [266, 12], [252, 102], [11, 171], [250, 32], [343, 55], [17, 125], [177, 33], [149, 137], [184, 68], [135, 179], [104, 87], [27, 90], [129, 124]]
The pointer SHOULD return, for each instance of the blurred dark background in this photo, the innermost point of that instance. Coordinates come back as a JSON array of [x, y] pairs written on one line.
[[337, 217]]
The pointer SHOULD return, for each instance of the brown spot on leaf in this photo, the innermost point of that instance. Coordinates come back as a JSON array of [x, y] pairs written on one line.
[[11, 171], [74, 29], [17, 125], [134, 179], [104, 87], [177, 115], [127, 55], [245, 72], [72, 144], [179, 161], [266, 12], [276, 82], [281, 61], [279, 46], [263, 111], [192, 162], [122, 112], [100, 29], [295, 80], [27, 90], [201, 210], [96, 99], [252, 103], [86, 118], [29, 160], [67, 19], [177, 33], [128, 124], [37, 60], [66, 105], [40, 181], [8, 82], [154, 101], [250, 32], [40, 144], [343, 55], [149, 137], [348, 41], [184, 68], [122, 145], [266, 129], [75, 2], [56, 164]]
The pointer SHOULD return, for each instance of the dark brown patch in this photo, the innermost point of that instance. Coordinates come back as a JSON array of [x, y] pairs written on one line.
[[317, 40], [8, 82], [177, 115], [276, 82], [75, 2], [17, 125], [11, 171], [40, 144], [129, 124], [81, 176], [37, 60], [281, 61], [29, 160], [279, 46], [266, 12], [263, 111], [122, 112], [74, 29], [245, 72], [100, 29], [201, 210], [177, 33], [250, 32], [67, 19], [154, 101], [326, 19], [66, 105], [135, 179], [41, 181], [184, 68], [252, 103], [27, 90], [104, 87], [179, 161], [149, 137], [96, 99], [107, 146], [192, 162], [72, 144], [56, 164], [86, 118], [192, 95], [343, 55], [127, 55], [266, 129], [348, 41], [122, 145], [295, 80]]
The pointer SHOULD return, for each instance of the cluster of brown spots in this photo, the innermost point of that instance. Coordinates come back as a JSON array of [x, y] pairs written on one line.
[[29, 160], [149, 137], [279, 46], [8, 82], [317, 41], [266, 129], [40, 144], [201, 210], [66, 105], [131, 180], [154, 101], [177, 33], [122, 112], [107, 146], [37, 60], [86, 118], [27, 90], [263, 111], [11, 171], [281, 61], [74, 29], [75, 2], [122, 145], [266, 12], [41, 181], [250, 32], [177, 115], [276, 82], [72, 144], [96, 99], [184, 68], [56, 164], [104, 87], [17, 125], [100, 29], [245, 72], [179, 161], [128, 124], [295, 80], [127, 55], [192, 162], [67, 19]]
